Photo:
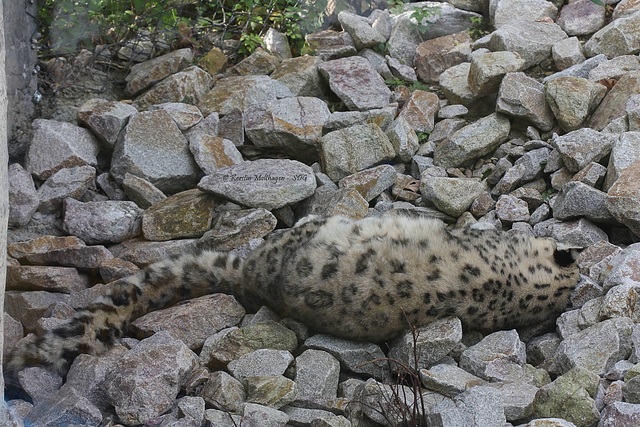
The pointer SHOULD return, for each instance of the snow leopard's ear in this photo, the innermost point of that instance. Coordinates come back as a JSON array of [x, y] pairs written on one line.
[[564, 255]]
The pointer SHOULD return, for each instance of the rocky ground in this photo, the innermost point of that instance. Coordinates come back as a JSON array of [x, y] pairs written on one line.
[[533, 128]]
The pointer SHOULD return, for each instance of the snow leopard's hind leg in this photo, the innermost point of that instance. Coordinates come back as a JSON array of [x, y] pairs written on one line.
[[96, 328]]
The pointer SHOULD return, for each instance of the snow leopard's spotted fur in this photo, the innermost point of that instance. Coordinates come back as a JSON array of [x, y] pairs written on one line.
[[351, 279]]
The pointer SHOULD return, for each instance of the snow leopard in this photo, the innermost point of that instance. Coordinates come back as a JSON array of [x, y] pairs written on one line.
[[364, 280]]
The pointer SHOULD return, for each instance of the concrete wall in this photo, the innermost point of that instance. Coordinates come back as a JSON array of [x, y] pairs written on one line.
[[21, 58]]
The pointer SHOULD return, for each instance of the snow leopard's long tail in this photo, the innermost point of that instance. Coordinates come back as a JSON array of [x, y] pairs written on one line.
[[94, 329]]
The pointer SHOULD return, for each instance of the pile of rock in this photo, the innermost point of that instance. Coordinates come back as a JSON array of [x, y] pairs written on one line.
[[526, 129]]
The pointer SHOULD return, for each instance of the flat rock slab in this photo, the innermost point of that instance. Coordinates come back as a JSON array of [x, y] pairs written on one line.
[[356, 83], [264, 183]]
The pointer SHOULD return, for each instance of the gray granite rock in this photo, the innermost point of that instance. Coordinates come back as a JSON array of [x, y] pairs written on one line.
[[301, 76], [189, 85], [263, 362], [141, 191], [620, 37], [523, 97], [473, 141], [356, 83], [436, 55], [625, 152], [493, 353], [357, 357], [240, 92], [577, 199], [23, 197], [267, 183], [152, 147], [58, 145], [105, 119], [481, 405], [185, 115], [213, 152], [622, 198], [147, 73], [316, 375], [145, 381], [102, 222], [572, 99], [583, 146], [361, 31], [293, 125], [488, 69], [507, 11], [353, 149], [66, 183], [452, 196], [581, 17], [567, 52]]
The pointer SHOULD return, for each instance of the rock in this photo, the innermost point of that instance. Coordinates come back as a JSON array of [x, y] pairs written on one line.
[[66, 183], [512, 209], [449, 379], [59, 145], [316, 375], [230, 344], [572, 99], [153, 148], [531, 40], [224, 392], [625, 152], [143, 253], [23, 197], [436, 55], [102, 222], [507, 11], [370, 182], [493, 354], [233, 229], [622, 198], [185, 115], [356, 83], [267, 183], [258, 415], [583, 146], [578, 234], [193, 320], [213, 152], [420, 110], [301, 76], [432, 344], [105, 118], [239, 92], [444, 20], [86, 375], [404, 38], [523, 97], [579, 70], [480, 405], [362, 33], [382, 117], [147, 73], [357, 357], [378, 62], [615, 68], [401, 71], [451, 195], [619, 413], [347, 202], [144, 382], [455, 85], [353, 149], [140, 191], [472, 141], [274, 391], [620, 37], [38, 382], [582, 17], [388, 404], [259, 62], [293, 125], [567, 52], [614, 103], [190, 85], [84, 257], [67, 408], [488, 69], [613, 344], [569, 397], [577, 199], [277, 44], [262, 362], [185, 214]]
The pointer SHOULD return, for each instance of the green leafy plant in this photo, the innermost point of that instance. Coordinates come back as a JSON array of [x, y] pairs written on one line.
[[476, 30]]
